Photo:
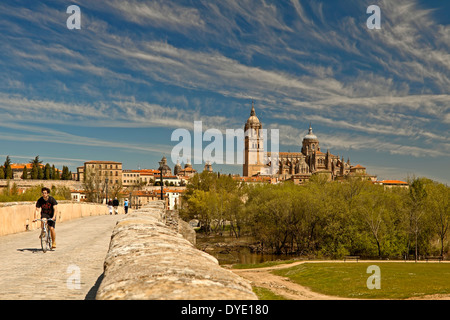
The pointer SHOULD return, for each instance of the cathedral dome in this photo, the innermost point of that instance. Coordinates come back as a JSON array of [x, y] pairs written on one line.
[[253, 120], [310, 135]]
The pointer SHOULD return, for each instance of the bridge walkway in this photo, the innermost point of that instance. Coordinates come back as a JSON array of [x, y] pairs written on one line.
[[71, 272]]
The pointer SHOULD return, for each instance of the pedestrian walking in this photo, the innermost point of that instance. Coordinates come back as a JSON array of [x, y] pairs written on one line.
[[125, 204], [116, 205], [110, 206]]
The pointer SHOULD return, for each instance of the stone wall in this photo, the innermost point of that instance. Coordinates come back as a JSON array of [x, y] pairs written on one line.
[[150, 261], [18, 216], [72, 184]]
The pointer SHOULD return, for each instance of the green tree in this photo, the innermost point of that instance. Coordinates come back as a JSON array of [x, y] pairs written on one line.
[[2, 172], [417, 197], [7, 168], [66, 174], [36, 171], [53, 173], [25, 173], [56, 173], [47, 172], [438, 205]]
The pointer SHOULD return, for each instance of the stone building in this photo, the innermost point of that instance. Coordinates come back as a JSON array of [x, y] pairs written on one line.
[[296, 166], [164, 167], [188, 171], [102, 170]]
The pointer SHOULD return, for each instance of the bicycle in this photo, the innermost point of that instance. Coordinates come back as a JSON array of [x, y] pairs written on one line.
[[46, 237]]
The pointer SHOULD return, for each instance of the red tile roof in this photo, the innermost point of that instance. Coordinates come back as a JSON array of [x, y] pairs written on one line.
[[393, 182]]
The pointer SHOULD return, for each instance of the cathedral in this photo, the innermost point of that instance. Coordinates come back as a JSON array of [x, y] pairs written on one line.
[[296, 166]]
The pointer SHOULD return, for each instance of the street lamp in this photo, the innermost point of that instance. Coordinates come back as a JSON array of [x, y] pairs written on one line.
[[106, 181], [161, 167]]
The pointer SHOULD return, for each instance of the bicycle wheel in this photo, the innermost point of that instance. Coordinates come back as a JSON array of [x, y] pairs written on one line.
[[44, 241], [49, 240]]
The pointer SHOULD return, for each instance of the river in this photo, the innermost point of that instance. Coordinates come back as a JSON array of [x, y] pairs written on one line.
[[229, 250]]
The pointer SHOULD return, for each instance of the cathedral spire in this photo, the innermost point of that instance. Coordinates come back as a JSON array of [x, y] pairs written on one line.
[[252, 113]]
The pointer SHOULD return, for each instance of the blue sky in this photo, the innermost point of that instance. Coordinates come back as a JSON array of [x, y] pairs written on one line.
[[137, 70]]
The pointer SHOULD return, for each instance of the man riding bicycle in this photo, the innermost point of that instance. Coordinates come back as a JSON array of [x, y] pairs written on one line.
[[48, 206]]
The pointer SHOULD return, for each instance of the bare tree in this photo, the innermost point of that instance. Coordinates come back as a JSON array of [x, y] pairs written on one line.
[[94, 185]]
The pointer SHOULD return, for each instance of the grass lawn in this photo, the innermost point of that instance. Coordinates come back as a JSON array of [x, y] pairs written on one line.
[[266, 294], [399, 280], [262, 265]]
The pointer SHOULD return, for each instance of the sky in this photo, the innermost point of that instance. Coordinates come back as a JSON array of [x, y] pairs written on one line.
[[136, 71]]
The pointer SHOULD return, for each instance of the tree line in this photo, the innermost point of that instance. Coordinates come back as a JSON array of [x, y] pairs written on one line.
[[325, 219], [38, 171], [12, 193]]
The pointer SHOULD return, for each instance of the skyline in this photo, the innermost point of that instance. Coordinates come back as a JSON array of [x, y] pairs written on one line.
[[136, 71]]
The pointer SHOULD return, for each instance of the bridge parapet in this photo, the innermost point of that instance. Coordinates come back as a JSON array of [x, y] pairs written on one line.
[[18, 216], [148, 260]]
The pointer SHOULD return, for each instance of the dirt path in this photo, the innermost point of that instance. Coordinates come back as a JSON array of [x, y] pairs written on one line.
[[262, 277]]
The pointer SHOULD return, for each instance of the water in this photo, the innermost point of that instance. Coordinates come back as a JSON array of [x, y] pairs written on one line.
[[229, 250]]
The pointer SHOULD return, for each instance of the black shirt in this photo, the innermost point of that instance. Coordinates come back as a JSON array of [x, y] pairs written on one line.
[[47, 209]]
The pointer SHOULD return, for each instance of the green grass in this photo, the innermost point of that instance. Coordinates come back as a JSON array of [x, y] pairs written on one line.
[[266, 294], [399, 280], [261, 265]]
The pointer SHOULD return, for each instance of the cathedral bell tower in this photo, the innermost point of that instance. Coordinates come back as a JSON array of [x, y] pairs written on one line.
[[253, 146]]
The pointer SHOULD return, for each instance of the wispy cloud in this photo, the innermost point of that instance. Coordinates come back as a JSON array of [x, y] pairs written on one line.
[[166, 64], [159, 13]]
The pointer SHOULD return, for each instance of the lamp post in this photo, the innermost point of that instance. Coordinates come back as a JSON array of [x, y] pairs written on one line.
[[162, 186], [161, 167], [106, 181]]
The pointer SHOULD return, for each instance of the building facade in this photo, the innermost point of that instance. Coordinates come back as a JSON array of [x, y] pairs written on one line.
[[102, 170]]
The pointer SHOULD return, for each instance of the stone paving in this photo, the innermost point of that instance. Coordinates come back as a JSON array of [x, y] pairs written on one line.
[[73, 271]]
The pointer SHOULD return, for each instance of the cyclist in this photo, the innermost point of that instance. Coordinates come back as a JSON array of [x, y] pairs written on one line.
[[48, 206]]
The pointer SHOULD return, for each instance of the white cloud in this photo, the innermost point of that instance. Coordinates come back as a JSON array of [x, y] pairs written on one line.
[[162, 14]]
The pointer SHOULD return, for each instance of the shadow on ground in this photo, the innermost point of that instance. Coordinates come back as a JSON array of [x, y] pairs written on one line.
[[93, 291]]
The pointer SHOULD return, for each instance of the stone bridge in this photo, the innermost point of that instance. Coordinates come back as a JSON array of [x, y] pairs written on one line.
[[142, 255]]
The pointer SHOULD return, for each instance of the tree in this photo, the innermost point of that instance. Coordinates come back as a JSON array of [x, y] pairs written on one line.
[[36, 171], [47, 172], [56, 173], [66, 174], [53, 173], [439, 205], [93, 184], [372, 210], [7, 168], [2, 172], [24, 172], [417, 196]]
